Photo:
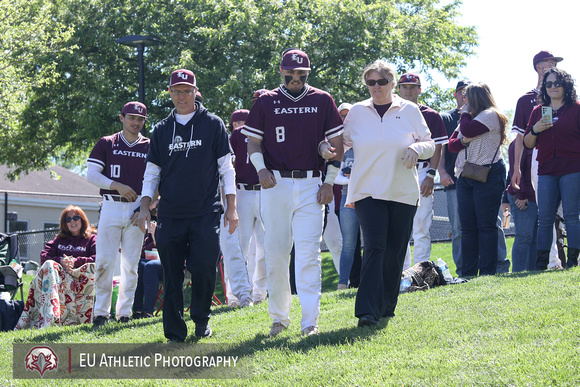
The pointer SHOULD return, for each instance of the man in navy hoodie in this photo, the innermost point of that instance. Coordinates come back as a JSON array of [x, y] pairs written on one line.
[[188, 155]]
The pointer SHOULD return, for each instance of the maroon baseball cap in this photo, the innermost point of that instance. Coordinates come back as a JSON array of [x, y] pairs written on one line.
[[239, 115], [182, 77], [545, 55], [295, 60], [135, 108], [409, 78]]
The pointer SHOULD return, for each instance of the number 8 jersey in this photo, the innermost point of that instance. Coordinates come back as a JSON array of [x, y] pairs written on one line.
[[120, 160], [291, 127]]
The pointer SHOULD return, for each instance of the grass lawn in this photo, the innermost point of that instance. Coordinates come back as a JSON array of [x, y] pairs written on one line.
[[512, 329]]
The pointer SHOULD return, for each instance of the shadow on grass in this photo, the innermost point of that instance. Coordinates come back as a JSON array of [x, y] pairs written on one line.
[[285, 340]]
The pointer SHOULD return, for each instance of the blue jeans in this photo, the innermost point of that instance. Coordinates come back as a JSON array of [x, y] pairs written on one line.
[[525, 246], [455, 229], [349, 227], [478, 205], [150, 273], [552, 189]]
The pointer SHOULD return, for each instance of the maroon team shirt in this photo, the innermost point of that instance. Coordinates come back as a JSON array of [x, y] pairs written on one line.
[[559, 145], [245, 171], [524, 107], [81, 249], [436, 126], [121, 161], [292, 127]]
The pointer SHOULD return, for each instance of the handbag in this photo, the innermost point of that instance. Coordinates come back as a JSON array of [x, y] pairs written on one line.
[[477, 172]]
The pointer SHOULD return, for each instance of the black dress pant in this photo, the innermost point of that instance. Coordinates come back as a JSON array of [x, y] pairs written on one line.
[[386, 228], [191, 243]]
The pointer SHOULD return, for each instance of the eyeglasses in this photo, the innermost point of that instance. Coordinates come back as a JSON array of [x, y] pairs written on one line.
[[76, 218], [552, 84], [381, 82], [186, 92]]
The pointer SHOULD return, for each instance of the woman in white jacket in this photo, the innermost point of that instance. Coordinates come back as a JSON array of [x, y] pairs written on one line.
[[388, 135]]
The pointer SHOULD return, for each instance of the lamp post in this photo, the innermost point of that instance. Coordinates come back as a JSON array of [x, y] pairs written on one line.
[[140, 42]]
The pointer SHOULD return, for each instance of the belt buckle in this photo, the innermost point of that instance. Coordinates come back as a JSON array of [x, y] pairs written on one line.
[[298, 174]]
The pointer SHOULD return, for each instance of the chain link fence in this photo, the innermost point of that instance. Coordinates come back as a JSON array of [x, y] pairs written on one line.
[[30, 243]]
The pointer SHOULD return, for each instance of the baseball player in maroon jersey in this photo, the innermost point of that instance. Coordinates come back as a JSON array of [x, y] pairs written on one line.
[[409, 89], [116, 165], [248, 206], [284, 128]]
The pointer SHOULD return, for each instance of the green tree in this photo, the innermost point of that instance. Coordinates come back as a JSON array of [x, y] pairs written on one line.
[[27, 33], [233, 47]]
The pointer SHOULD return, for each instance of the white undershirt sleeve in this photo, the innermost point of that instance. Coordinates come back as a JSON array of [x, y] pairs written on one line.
[[227, 174], [150, 180], [95, 177]]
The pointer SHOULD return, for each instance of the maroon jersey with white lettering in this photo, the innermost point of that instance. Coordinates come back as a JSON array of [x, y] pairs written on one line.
[[121, 161], [436, 126], [292, 127], [245, 171], [526, 103]]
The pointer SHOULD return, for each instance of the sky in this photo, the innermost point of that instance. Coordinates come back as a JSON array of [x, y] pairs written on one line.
[[511, 32]]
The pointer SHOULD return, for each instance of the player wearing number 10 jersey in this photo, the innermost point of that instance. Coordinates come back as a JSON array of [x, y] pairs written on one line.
[[284, 128], [116, 165]]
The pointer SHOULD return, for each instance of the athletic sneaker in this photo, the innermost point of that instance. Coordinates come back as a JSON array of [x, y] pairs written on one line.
[[124, 319], [276, 329], [202, 331], [246, 301], [310, 331], [342, 287], [100, 321]]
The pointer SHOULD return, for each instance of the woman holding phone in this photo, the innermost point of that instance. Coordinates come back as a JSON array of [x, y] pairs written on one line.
[[558, 141], [477, 140]]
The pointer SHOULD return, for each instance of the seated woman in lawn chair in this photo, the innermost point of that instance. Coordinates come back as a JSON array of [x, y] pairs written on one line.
[[63, 291]]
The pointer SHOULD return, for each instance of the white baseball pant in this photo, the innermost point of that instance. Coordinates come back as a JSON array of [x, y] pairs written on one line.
[[252, 232], [290, 211], [116, 230]]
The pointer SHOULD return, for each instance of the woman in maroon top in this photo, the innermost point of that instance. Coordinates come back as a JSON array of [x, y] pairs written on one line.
[[558, 143], [62, 292]]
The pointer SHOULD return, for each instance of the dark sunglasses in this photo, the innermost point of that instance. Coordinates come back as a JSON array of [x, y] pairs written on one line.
[[550, 84], [76, 218], [381, 82]]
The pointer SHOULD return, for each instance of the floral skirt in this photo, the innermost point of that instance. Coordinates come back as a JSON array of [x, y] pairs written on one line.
[[59, 298]]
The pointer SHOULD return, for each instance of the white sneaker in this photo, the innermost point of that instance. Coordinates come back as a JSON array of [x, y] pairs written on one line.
[[310, 331], [276, 329], [246, 301]]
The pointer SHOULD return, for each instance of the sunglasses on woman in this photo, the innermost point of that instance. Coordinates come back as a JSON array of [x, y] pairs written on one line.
[[381, 82], [550, 84], [76, 218]]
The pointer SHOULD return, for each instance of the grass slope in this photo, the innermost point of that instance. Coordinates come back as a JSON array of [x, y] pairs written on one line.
[[516, 329]]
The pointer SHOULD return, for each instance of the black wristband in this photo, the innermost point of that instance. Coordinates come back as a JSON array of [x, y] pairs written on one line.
[[532, 131], [336, 163]]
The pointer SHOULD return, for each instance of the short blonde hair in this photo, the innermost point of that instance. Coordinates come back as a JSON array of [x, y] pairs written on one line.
[[386, 70]]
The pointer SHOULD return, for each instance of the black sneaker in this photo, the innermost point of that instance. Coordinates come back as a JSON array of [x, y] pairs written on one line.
[[202, 331], [137, 315], [124, 319], [100, 321]]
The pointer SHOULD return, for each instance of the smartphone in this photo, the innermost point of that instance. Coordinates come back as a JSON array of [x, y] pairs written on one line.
[[547, 112]]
